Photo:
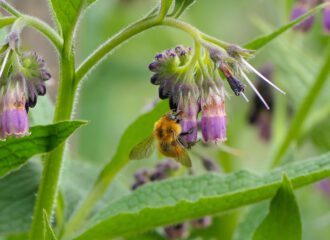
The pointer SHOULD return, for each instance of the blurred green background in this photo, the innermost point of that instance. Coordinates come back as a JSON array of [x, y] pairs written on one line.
[[119, 90]]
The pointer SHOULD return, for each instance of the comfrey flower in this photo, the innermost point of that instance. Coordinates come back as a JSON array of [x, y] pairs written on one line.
[[239, 68], [214, 120], [23, 77], [13, 118], [176, 83], [193, 83]]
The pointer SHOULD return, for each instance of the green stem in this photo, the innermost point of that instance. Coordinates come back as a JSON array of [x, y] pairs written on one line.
[[164, 7], [303, 110], [10, 9], [105, 180], [46, 30], [53, 161], [39, 25], [127, 33], [215, 41]]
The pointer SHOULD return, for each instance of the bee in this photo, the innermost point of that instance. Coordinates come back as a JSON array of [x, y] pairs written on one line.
[[167, 134]]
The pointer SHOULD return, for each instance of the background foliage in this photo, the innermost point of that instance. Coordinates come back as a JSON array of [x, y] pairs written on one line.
[[118, 91]]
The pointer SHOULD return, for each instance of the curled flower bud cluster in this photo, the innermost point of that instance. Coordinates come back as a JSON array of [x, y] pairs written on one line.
[[162, 171], [194, 86], [190, 93], [303, 6], [22, 77]]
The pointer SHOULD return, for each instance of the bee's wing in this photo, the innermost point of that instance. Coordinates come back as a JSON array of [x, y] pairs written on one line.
[[184, 159], [143, 149]]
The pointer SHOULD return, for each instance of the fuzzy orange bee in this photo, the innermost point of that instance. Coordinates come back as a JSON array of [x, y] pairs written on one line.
[[168, 135]]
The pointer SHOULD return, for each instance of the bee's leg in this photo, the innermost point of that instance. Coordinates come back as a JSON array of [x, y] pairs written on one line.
[[183, 142], [190, 131]]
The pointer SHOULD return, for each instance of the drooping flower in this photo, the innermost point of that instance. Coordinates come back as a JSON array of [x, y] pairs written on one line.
[[36, 75], [188, 105], [234, 66], [214, 119], [23, 77], [13, 117]]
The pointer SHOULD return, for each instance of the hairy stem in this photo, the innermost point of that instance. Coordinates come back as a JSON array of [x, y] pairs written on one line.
[[105, 179], [34, 22], [9, 8], [305, 107], [53, 161]]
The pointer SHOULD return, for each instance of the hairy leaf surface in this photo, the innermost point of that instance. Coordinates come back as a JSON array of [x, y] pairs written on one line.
[[14, 152], [179, 199]]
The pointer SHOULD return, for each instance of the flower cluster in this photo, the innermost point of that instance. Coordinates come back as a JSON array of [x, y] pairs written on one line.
[[193, 83], [22, 77], [302, 6], [165, 170]]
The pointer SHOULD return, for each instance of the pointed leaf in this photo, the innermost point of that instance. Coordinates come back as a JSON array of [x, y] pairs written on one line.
[[47, 228], [251, 221], [181, 6], [14, 152], [263, 40], [171, 201], [66, 13], [283, 220], [4, 21]]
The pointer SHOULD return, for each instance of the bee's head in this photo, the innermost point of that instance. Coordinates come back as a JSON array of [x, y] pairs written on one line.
[[175, 116]]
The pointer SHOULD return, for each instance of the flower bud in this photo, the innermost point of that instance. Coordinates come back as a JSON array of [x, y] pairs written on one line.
[[236, 85], [300, 9], [189, 108], [141, 177], [36, 74], [210, 165], [13, 118], [214, 120]]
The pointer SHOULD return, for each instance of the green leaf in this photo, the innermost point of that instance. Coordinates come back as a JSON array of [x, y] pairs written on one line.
[[251, 221], [181, 6], [47, 228], [263, 40], [179, 199], [5, 21], [164, 7], [17, 197], [66, 14], [14, 152], [283, 220]]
